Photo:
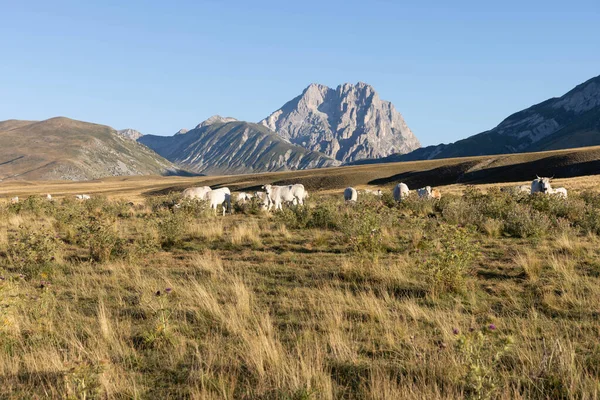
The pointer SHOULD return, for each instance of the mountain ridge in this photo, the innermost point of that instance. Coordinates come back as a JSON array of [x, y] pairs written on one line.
[[347, 123], [234, 147], [569, 121]]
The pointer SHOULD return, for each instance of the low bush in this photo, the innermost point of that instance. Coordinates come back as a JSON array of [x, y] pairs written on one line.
[[33, 248], [101, 238], [450, 260], [523, 222], [171, 228]]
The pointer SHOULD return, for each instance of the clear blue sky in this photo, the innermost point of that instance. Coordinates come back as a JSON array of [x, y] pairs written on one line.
[[452, 69]]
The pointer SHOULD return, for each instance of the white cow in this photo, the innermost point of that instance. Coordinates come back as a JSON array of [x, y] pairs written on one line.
[[49, 197], [400, 191], [243, 197], [14, 200], [305, 196], [350, 194], [516, 189], [82, 197], [218, 197], [265, 202], [197, 193], [224, 190], [424, 192], [540, 185], [523, 189], [561, 191], [278, 195]]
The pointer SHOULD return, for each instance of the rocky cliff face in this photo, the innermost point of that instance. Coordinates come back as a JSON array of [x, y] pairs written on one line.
[[234, 147], [348, 123]]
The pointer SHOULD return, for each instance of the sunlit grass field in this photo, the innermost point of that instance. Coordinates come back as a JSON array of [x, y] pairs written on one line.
[[482, 294]]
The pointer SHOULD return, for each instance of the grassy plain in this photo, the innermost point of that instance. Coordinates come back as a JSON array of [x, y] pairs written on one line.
[[481, 294]]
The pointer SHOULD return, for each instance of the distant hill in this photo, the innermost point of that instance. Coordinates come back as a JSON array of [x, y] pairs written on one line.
[[569, 121], [348, 123], [226, 146], [65, 149]]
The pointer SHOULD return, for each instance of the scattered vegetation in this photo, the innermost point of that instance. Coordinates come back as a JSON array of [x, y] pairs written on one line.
[[478, 295]]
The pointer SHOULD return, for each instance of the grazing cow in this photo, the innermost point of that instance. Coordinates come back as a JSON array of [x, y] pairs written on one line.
[[218, 197], [540, 185], [224, 189], [197, 193], [561, 191], [516, 189], [424, 193], [305, 196], [243, 197], [436, 194], [523, 189], [82, 197], [264, 200], [350, 194], [277, 195], [49, 197], [14, 200], [400, 191]]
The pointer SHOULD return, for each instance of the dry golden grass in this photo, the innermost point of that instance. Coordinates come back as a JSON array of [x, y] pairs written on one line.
[[247, 307], [246, 233]]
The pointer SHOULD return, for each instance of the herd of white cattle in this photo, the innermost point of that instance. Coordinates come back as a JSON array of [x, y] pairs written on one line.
[[277, 196], [272, 196]]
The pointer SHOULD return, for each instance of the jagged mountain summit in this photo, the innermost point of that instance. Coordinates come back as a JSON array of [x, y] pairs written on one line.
[[569, 121], [221, 146], [348, 123], [64, 149], [130, 134]]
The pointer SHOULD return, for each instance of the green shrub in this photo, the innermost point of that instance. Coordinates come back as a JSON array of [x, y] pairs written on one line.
[[524, 222], [194, 208], [324, 216], [447, 266], [387, 198], [165, 202], [590, 220], [33, 250], [417, 206], [294, 217], [362, 228], [591, 198], [171, 228], [101, 238]]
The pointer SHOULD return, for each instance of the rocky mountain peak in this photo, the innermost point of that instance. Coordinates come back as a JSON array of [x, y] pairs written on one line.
[[348, 123], [182, 131], [131, 134], [214, 120]]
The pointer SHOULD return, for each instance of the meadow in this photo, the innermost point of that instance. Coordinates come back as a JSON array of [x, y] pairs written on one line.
[[482, 294]]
